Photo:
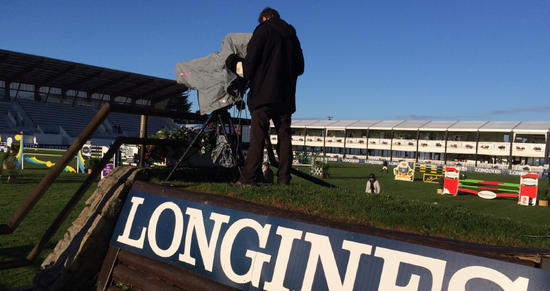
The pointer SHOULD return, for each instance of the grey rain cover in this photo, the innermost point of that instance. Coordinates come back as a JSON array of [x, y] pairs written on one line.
[[209, 76]]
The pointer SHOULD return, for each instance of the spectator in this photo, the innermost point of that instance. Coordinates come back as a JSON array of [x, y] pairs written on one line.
[[372, 185], [267, 173]]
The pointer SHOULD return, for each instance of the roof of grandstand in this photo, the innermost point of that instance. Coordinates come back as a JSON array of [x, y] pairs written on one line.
[[426, 125], [31, 69]]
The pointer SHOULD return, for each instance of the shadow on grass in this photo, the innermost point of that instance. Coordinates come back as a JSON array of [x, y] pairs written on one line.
[[198, 175], [20, 252]]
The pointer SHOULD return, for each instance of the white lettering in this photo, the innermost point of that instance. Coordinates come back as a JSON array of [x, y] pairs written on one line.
[[392, 260], [125, 237], [288, 235], [322, 250], [462, 276], [178, 229], [258, 259], [207, 249]]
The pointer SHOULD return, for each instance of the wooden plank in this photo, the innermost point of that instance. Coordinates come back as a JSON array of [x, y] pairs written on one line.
[[179, 277], [104, 275], [139, 280]]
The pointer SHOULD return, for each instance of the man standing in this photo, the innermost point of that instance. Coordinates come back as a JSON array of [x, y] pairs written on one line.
[[273, 62]]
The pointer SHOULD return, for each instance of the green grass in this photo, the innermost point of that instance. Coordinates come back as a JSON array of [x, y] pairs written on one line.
[[407, 206], [18, 244], [353, 177]]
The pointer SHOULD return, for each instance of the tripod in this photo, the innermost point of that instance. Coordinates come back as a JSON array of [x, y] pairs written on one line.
[[221, 117], [234, 140]]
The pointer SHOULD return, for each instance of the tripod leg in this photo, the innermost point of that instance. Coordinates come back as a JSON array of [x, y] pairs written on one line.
[[270, 154], [233, 141], [298, 173], [182, 158], [238, 153]]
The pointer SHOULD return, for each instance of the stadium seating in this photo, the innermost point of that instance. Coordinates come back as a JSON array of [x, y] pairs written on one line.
[[128, 124], [68, 120]]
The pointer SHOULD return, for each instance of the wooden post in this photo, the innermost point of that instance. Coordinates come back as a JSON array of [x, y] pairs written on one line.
[[54, 172], [142, 134]]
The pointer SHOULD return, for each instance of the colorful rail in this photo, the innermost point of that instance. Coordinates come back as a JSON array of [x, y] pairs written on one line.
[[525, 190]]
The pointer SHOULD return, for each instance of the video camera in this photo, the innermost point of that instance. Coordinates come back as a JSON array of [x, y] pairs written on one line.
[[217, 86]]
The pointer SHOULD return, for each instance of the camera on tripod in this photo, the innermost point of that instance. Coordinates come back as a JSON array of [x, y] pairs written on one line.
[[217, 86]]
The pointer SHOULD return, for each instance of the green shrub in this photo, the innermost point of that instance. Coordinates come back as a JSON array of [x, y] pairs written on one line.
[[184, 135], [8, 167]]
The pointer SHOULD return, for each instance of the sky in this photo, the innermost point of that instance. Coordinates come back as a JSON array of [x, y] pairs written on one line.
[[369, 60]]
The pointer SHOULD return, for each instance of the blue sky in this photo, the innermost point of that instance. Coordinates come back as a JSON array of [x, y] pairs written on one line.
[[429, 60]]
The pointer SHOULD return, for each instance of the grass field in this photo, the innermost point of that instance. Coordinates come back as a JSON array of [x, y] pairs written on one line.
[[18, 244], [407, 206]]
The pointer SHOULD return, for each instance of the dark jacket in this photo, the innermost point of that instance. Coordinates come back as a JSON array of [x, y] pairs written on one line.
[[273, 62]]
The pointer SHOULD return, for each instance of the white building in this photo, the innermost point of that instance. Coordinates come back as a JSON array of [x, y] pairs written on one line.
[[494, 144]]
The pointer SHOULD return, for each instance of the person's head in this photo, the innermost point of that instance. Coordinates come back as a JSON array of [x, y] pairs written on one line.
[[265, 166], [268, 13], [372, 177]]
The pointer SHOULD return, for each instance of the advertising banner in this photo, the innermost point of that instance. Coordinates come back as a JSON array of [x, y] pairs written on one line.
[[251, 251]]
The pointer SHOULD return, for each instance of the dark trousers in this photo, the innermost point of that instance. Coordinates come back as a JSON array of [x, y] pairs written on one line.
[[259, 128]]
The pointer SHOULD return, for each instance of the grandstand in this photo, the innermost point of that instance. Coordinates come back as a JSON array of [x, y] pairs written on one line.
[[52, 100], [48, 123], [487, 144]]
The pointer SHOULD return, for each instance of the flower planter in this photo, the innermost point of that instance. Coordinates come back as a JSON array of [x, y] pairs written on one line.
[[543, 203]]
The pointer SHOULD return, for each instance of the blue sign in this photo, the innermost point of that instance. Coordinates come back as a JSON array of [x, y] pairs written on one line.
[[250, 251]]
